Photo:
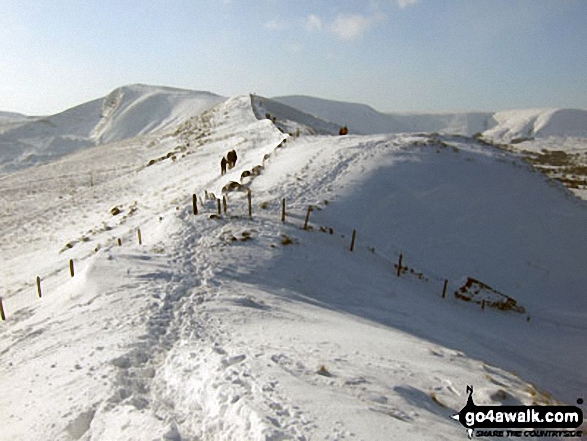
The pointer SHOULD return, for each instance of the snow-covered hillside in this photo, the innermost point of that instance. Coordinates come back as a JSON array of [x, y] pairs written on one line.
[[221, 326], [11, 117], [540, 123], [125, 113], [561, 133], [291, 120], [500, 126], [362, 119]]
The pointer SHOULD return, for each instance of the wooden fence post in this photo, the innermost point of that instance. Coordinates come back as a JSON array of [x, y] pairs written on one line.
[[2, 315], [218, 204], [139, 235], [283, 210], [195, 203], [483, 305], [307, 217], [444, 288], [250, 203], [353, 240], [71, 267], [119, 242], [39, 287], [399, 264], [224, 204]]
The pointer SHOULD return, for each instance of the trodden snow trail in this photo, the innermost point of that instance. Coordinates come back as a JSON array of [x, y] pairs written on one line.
[[225, 327]]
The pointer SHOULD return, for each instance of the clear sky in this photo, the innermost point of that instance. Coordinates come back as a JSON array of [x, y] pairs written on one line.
[[395, 55]]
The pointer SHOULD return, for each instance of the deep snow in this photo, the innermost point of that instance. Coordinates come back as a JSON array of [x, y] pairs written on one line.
[[126, 112], [238, 328]]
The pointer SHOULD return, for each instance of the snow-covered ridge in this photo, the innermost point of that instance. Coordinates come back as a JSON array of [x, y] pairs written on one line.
[[538, 123], [11, 120], [11, 117], [126, 112], [363, 119], [289, 119], [231, 327], [138, 109], [501, 126]]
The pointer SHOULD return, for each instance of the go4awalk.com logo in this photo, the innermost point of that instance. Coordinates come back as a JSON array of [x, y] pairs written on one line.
[[515, 421]]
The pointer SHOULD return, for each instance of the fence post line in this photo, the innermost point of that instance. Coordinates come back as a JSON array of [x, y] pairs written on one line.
[[353, 240], [2, 315], [119, 242], [139, 235], [249, 197], [195, 203], [71, 267], [218, 205], [483, 305], [444, 288], [39, 286], [283, 210], [307, 217], [224, 204], [399, 264]]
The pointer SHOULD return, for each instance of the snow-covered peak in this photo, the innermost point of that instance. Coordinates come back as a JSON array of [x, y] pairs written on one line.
[[139, 109], [529, 123], [124, 113]]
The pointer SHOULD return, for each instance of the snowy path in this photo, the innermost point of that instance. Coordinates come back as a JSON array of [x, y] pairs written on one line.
[[230, 328]]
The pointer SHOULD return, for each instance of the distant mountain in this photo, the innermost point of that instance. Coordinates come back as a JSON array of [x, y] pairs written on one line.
[[138, 109], [362, 119], [518, 124], [11, 117], [502, 126], [291, 120], [124, 113], [11, 120]]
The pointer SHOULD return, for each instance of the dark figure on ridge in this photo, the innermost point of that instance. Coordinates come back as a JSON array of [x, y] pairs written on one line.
[[231, 159]]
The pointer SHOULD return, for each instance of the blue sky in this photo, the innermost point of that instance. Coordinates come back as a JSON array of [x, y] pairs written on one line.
[[395, 55]]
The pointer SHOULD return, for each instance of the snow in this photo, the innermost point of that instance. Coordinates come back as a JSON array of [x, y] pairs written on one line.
[[291, 120], [126, 112], [538, 123], [503, 126], [231, 328], [362, 119], [11, 117]]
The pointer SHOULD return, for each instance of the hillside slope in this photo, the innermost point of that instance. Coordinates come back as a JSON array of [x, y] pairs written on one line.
[[126, 112], [500, 126], [222, 325], [11, 117], [539, 123], [291, 120], [363, 119]]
